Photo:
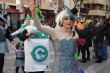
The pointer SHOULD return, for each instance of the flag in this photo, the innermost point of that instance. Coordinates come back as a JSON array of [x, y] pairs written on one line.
[[38, 52], [36, 55], [28, 17], [39, 13]]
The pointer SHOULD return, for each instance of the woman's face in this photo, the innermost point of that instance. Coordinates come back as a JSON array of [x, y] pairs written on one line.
[[68, 22]]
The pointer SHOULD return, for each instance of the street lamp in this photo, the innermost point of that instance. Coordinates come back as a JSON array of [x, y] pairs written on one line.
[[4, 8]]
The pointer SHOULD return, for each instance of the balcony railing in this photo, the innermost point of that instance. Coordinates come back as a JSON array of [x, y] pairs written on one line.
[[97, 12], [102, 2]]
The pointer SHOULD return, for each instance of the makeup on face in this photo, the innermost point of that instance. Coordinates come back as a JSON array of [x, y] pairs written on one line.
[[68, 18], [67, 22]]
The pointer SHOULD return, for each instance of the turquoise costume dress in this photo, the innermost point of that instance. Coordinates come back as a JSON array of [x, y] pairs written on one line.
[[65, 56], [3, 43]]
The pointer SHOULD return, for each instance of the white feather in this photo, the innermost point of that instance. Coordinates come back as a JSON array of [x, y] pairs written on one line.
[[69, 3]]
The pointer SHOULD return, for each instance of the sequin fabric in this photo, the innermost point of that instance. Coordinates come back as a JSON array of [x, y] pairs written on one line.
[[64, 56]]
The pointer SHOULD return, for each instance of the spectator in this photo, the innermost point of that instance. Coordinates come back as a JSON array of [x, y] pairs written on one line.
[[4, 33]]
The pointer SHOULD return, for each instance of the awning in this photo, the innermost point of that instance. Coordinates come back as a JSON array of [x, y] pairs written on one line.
[[14, 10]]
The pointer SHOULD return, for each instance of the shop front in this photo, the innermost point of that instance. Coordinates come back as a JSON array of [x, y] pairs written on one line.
[[13, 16]]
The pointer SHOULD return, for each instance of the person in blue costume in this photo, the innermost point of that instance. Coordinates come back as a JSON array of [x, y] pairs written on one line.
[[4, 34], [19, 56], [63, 38]]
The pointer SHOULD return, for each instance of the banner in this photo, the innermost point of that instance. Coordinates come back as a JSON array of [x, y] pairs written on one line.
[[40, 14], [37, 55]]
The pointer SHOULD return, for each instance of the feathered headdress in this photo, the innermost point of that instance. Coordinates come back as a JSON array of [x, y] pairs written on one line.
[[65, 12]]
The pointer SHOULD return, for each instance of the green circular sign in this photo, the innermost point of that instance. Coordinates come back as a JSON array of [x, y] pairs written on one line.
[[39, 53]]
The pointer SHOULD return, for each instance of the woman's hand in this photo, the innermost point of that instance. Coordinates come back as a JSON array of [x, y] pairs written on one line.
[[32, 6], [29, 34]]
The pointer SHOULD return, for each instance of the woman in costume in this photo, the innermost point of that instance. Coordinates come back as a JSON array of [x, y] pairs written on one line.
[[4, 34], [64, 40]]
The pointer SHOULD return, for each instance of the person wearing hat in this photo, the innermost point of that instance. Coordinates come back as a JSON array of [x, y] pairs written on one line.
[[63, 38], [23, 25], [21, 33], [3, 43]]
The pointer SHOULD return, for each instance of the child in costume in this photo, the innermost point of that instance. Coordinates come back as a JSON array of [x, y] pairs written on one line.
[[19, 56]]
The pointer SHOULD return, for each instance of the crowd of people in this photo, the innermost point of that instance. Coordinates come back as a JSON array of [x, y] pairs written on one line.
[[70, 36]]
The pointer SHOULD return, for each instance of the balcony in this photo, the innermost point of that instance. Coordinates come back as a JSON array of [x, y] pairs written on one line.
[[107, 14], [102, 2], [96, 12]]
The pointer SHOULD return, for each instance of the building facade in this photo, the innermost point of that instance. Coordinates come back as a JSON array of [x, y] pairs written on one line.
[[96, 8], [48, 7], [8, 9]]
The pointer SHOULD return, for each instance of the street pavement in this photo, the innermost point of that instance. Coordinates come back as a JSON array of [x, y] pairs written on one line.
[[92, 67], [89, 67]]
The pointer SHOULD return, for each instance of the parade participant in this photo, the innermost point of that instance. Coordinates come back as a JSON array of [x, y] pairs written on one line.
[[19, 56], [23, 25], [64, 40], [28, 33], [3, 43]]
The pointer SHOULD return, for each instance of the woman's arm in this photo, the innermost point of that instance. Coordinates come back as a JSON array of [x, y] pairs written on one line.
[[15, 33], [42, 28], [39, 26]]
